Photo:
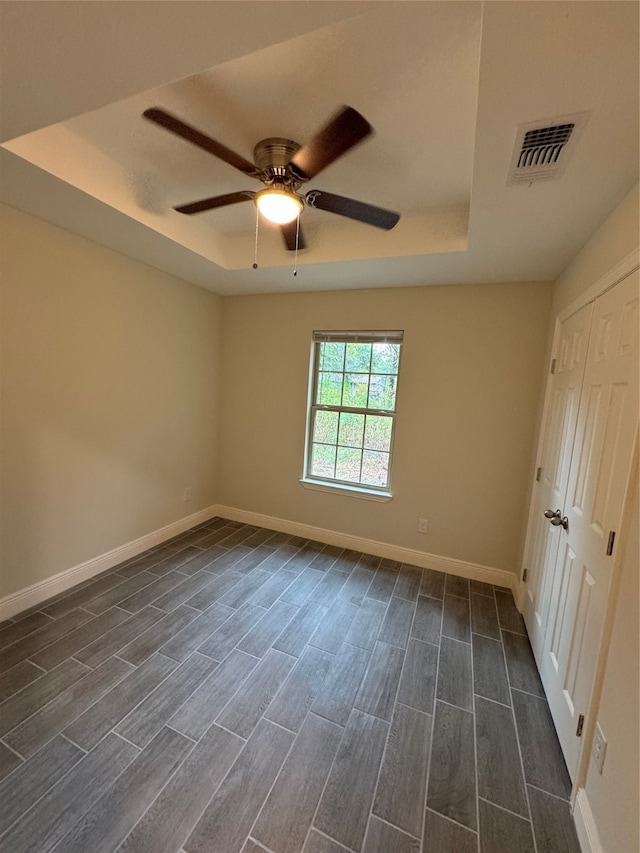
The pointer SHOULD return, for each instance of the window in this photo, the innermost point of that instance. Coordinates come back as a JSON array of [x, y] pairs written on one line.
[[352, 405]]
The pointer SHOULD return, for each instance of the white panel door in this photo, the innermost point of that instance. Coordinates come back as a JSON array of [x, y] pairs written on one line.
[[579, 577], [555, 461]]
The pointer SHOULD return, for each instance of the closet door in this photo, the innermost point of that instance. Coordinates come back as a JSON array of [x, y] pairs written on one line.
[[579, 577], [559, 432]]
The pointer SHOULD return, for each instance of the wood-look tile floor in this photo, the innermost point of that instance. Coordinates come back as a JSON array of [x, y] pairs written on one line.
[[238, 690]]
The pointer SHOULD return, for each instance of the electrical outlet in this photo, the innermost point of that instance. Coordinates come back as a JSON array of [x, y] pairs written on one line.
[[599, 748], [187, 494], [423, 525]]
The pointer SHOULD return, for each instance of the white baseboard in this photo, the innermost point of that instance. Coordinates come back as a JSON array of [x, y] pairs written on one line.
[[15, 603], [585, 824], [450, 566]]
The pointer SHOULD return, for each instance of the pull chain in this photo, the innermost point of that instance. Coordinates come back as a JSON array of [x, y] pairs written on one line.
[[255, 248], [295, 263]]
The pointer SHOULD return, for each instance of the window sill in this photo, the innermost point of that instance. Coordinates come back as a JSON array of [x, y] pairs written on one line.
[[353, 491]]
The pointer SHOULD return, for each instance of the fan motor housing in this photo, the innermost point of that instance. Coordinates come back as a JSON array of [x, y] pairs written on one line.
[[274, 154]]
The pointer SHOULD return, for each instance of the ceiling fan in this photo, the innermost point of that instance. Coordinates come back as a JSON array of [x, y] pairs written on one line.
[[283, 166]]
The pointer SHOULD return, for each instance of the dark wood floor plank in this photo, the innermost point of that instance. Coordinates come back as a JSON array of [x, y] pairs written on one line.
[[178, 807], [454, 585], [33, 643], [484, 616], [455, 683], [150, 593], [183, 592], [186, 561], [8, 761], [256, 557], [325, 559], [111, 597], [288, 555], [427, 622], [455, 619], [147, 719], [544, 765], [228, 559], [319, 843], [146, 644], [212, 592], [381, 836], [509, 617], [251, 701], [238, 536], [265, 632], [400, 798], [366, 623], [287, 814], [230, 815], [378, 688], [396, 624], [39, 693], [500, 777], [17, 677], [78, 639], [444, 836], [327, 590], [300, 590], [271, 591], [261, 536], [408, 583], [15, 631], [489, 673], [521, 666], [432, 584], [341, 685], [344, 809], [110, 643], [553, 825], [114, 815], [77, 597], [245, 588], [294, 699], [418, 683], [28, 782], [383, 583], [65, 803], [356, 585], [101, 717], [185, 642], [144, 561], [500, 831], [452, 776], [223, 640], [198, 559], [203, 706], [333, 627], [43, 725], [298, 632], [481, 588]]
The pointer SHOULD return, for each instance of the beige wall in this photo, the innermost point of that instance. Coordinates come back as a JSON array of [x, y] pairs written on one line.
[[613, 796], [109, 399], [468, 392]]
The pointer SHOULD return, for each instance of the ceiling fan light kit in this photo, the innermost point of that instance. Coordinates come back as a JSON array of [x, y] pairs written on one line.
[[283, 166]]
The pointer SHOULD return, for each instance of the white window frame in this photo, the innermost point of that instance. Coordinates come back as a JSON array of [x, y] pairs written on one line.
[[327, 484]]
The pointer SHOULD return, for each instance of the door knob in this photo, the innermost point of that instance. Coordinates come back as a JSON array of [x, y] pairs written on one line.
[[560, 522], [550, 514]]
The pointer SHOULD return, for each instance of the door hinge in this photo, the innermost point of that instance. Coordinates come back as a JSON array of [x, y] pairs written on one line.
[[580, 725], [538, 475], [524, 575], [612, 536], [553, 365]]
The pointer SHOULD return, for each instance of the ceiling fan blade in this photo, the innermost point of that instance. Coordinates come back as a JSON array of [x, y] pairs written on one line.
[[289, 234], [215, 201], [196, 137], [345, 130], [353, 209]]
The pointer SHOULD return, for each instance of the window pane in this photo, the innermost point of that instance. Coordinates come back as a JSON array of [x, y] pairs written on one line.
[[375, 468], [351, 429], [356, 387], [382, 392], [358, 358], [326, 427], [323, 460], [377, 434], [385, 358], [329, 389], [332, 356], [348, 464]]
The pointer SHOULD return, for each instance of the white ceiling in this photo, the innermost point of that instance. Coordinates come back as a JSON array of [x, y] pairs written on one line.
[[445, 85]]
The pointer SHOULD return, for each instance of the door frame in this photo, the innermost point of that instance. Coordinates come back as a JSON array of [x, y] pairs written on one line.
[[615, 275]]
